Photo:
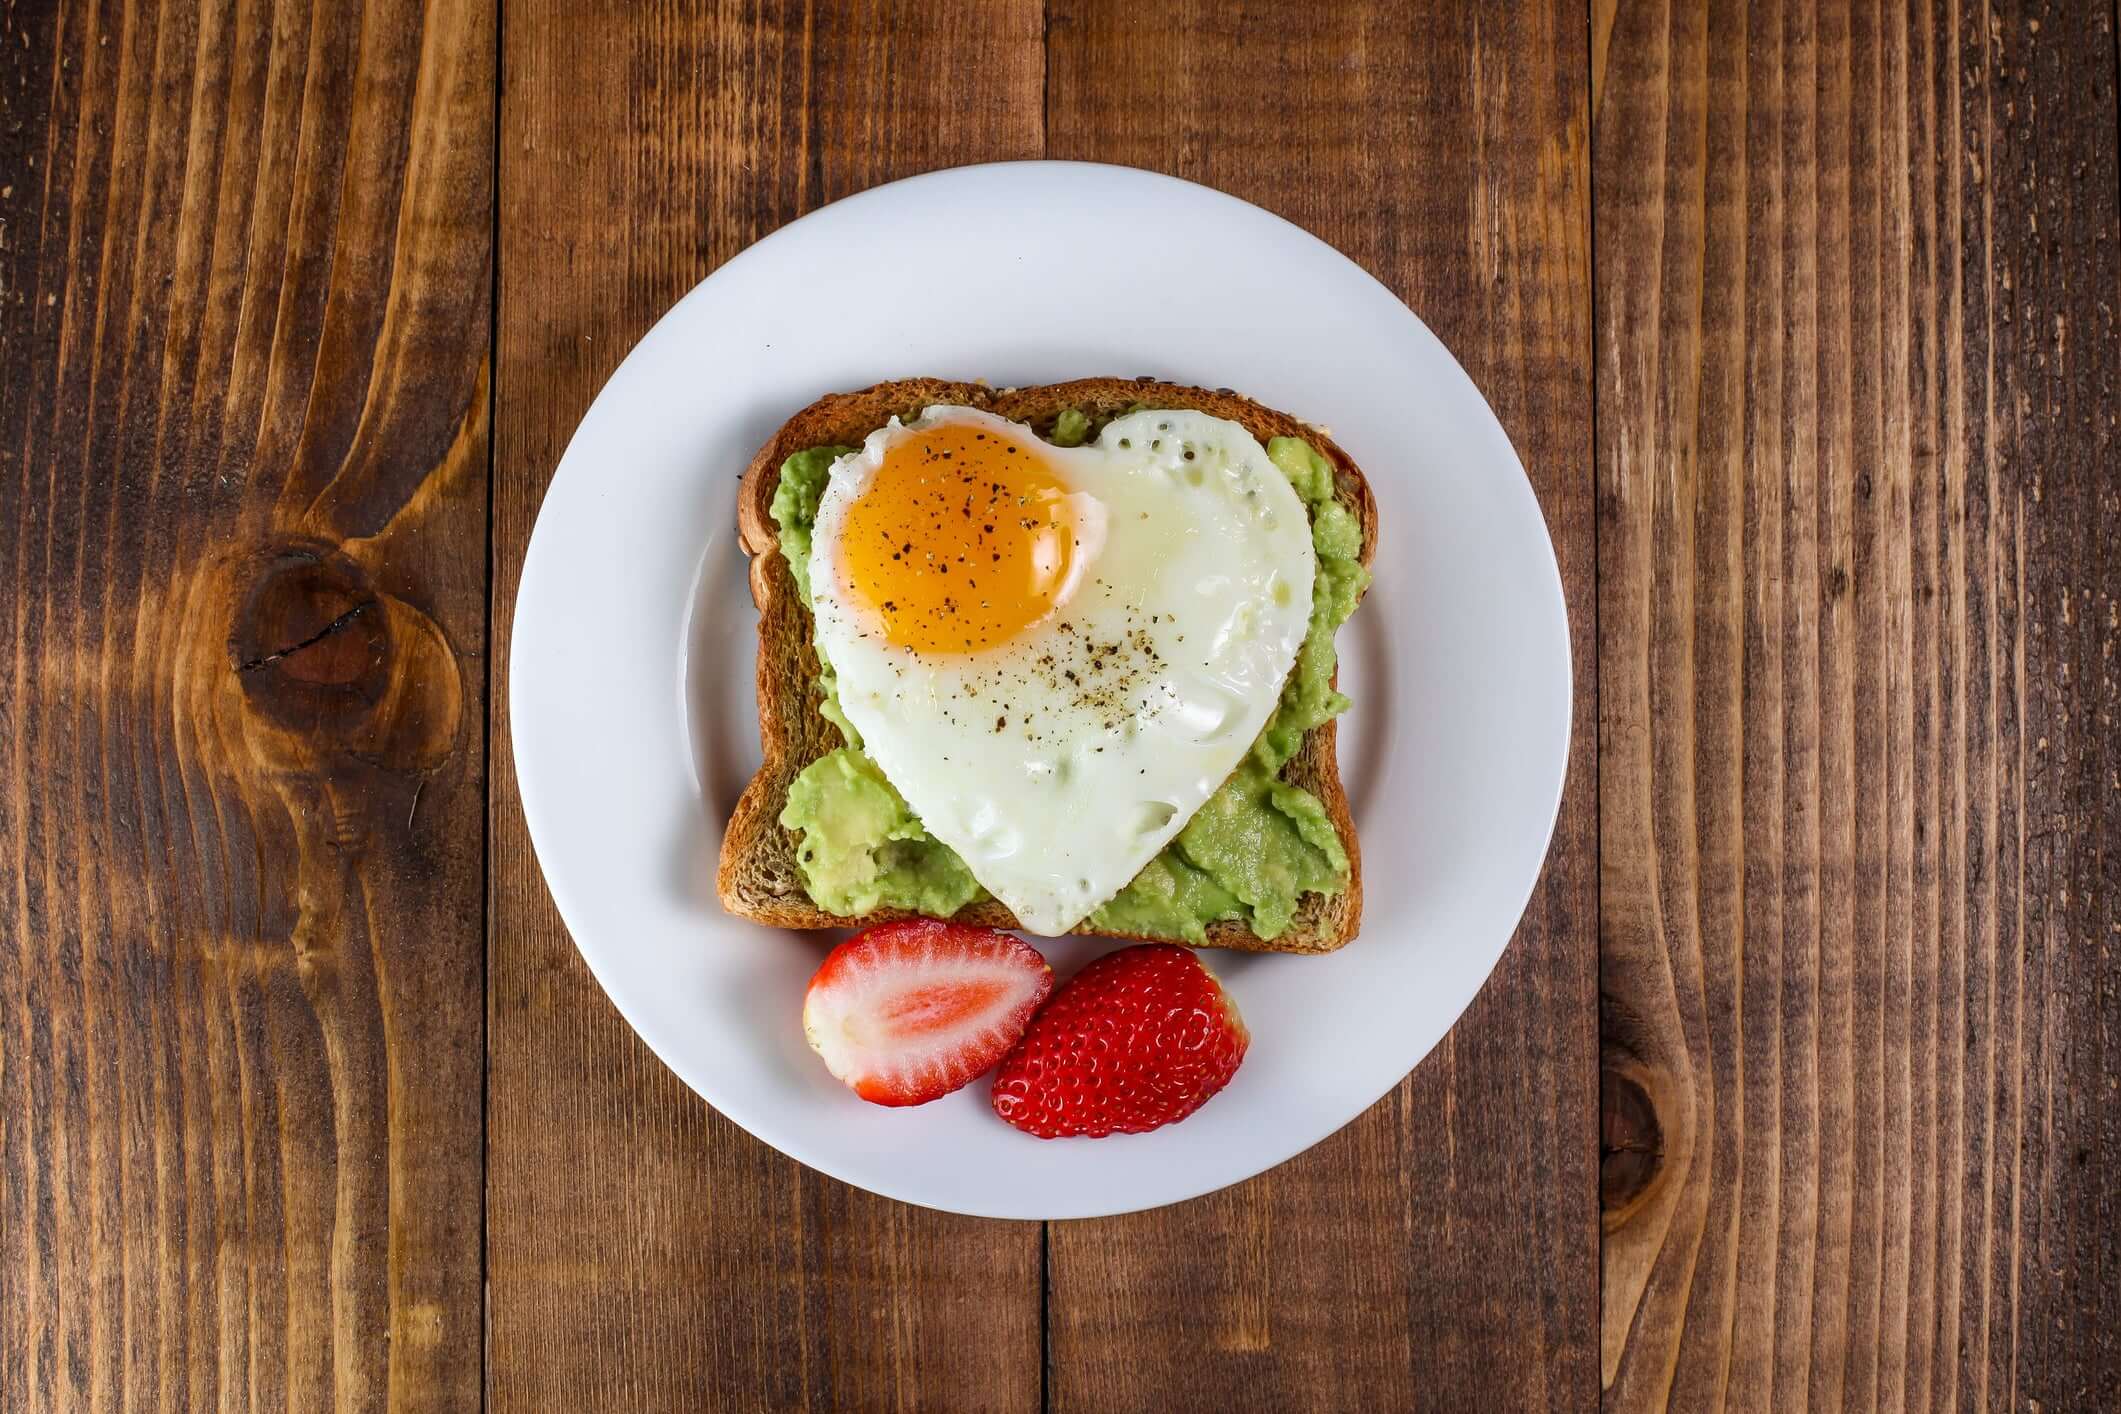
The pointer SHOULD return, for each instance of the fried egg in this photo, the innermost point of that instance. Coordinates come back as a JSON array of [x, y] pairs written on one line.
[[1056, 655]]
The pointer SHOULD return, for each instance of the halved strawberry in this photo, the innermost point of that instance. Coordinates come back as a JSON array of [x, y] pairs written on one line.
[[907, 1012], [1139, 1039]]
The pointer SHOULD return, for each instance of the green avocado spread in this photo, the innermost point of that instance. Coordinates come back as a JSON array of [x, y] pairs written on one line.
[[1251, 852]]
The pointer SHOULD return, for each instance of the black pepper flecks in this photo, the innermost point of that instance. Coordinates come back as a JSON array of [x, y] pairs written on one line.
[[1081, 678]]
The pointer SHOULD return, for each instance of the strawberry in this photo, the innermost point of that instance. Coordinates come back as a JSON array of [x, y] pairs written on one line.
[[907, 1012], [1139, 1039]]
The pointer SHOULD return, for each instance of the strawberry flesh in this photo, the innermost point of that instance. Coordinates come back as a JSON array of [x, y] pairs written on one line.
[[906, 1012], [1139, 1039]]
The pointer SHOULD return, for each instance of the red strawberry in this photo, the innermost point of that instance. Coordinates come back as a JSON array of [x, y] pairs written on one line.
[[1139, 1039], [907, 1012]]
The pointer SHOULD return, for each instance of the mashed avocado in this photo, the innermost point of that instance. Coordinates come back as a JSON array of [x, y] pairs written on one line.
[[1254, 849], [863, 849], [1070, 429]]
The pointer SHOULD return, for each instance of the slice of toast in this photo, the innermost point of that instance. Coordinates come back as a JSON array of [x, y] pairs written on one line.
[[759, 877]]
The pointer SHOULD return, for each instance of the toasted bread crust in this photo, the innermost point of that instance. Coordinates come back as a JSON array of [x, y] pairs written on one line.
[[758, 876]]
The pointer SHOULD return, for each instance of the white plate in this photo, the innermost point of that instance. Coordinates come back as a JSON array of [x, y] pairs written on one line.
[[631, 679]]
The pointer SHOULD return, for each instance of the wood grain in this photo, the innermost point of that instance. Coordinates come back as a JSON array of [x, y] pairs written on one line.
[[644, 1253], [244, 256], [1847, 607], [1445, 148], [1857, 387]]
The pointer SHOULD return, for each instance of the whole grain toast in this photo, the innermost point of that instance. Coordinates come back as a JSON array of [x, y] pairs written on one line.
[[758, 876]]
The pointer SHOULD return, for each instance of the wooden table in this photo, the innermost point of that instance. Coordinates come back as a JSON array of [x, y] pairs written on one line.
[[1800, 1086]]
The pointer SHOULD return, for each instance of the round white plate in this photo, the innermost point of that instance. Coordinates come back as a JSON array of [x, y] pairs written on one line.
[[631, 679]]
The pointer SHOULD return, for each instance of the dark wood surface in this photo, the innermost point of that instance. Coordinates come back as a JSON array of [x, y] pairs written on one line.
[[1858, 374], [244, 311], [1800, 1086]]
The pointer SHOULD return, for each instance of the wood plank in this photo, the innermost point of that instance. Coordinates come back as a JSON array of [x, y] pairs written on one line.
[[1440, 1252], [1857, 388], [644, 1253], [243, 455]]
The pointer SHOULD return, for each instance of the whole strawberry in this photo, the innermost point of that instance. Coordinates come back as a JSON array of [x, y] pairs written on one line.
[[1139, 1039]]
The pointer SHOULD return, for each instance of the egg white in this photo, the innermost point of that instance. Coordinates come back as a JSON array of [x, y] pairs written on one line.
[[1054, 768]]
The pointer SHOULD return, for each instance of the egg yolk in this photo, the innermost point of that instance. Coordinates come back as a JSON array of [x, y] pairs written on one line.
[[963, 539]]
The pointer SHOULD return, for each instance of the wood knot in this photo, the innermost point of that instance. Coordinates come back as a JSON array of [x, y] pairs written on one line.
[[310, 643], [338, 665], [1630, 1142]]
